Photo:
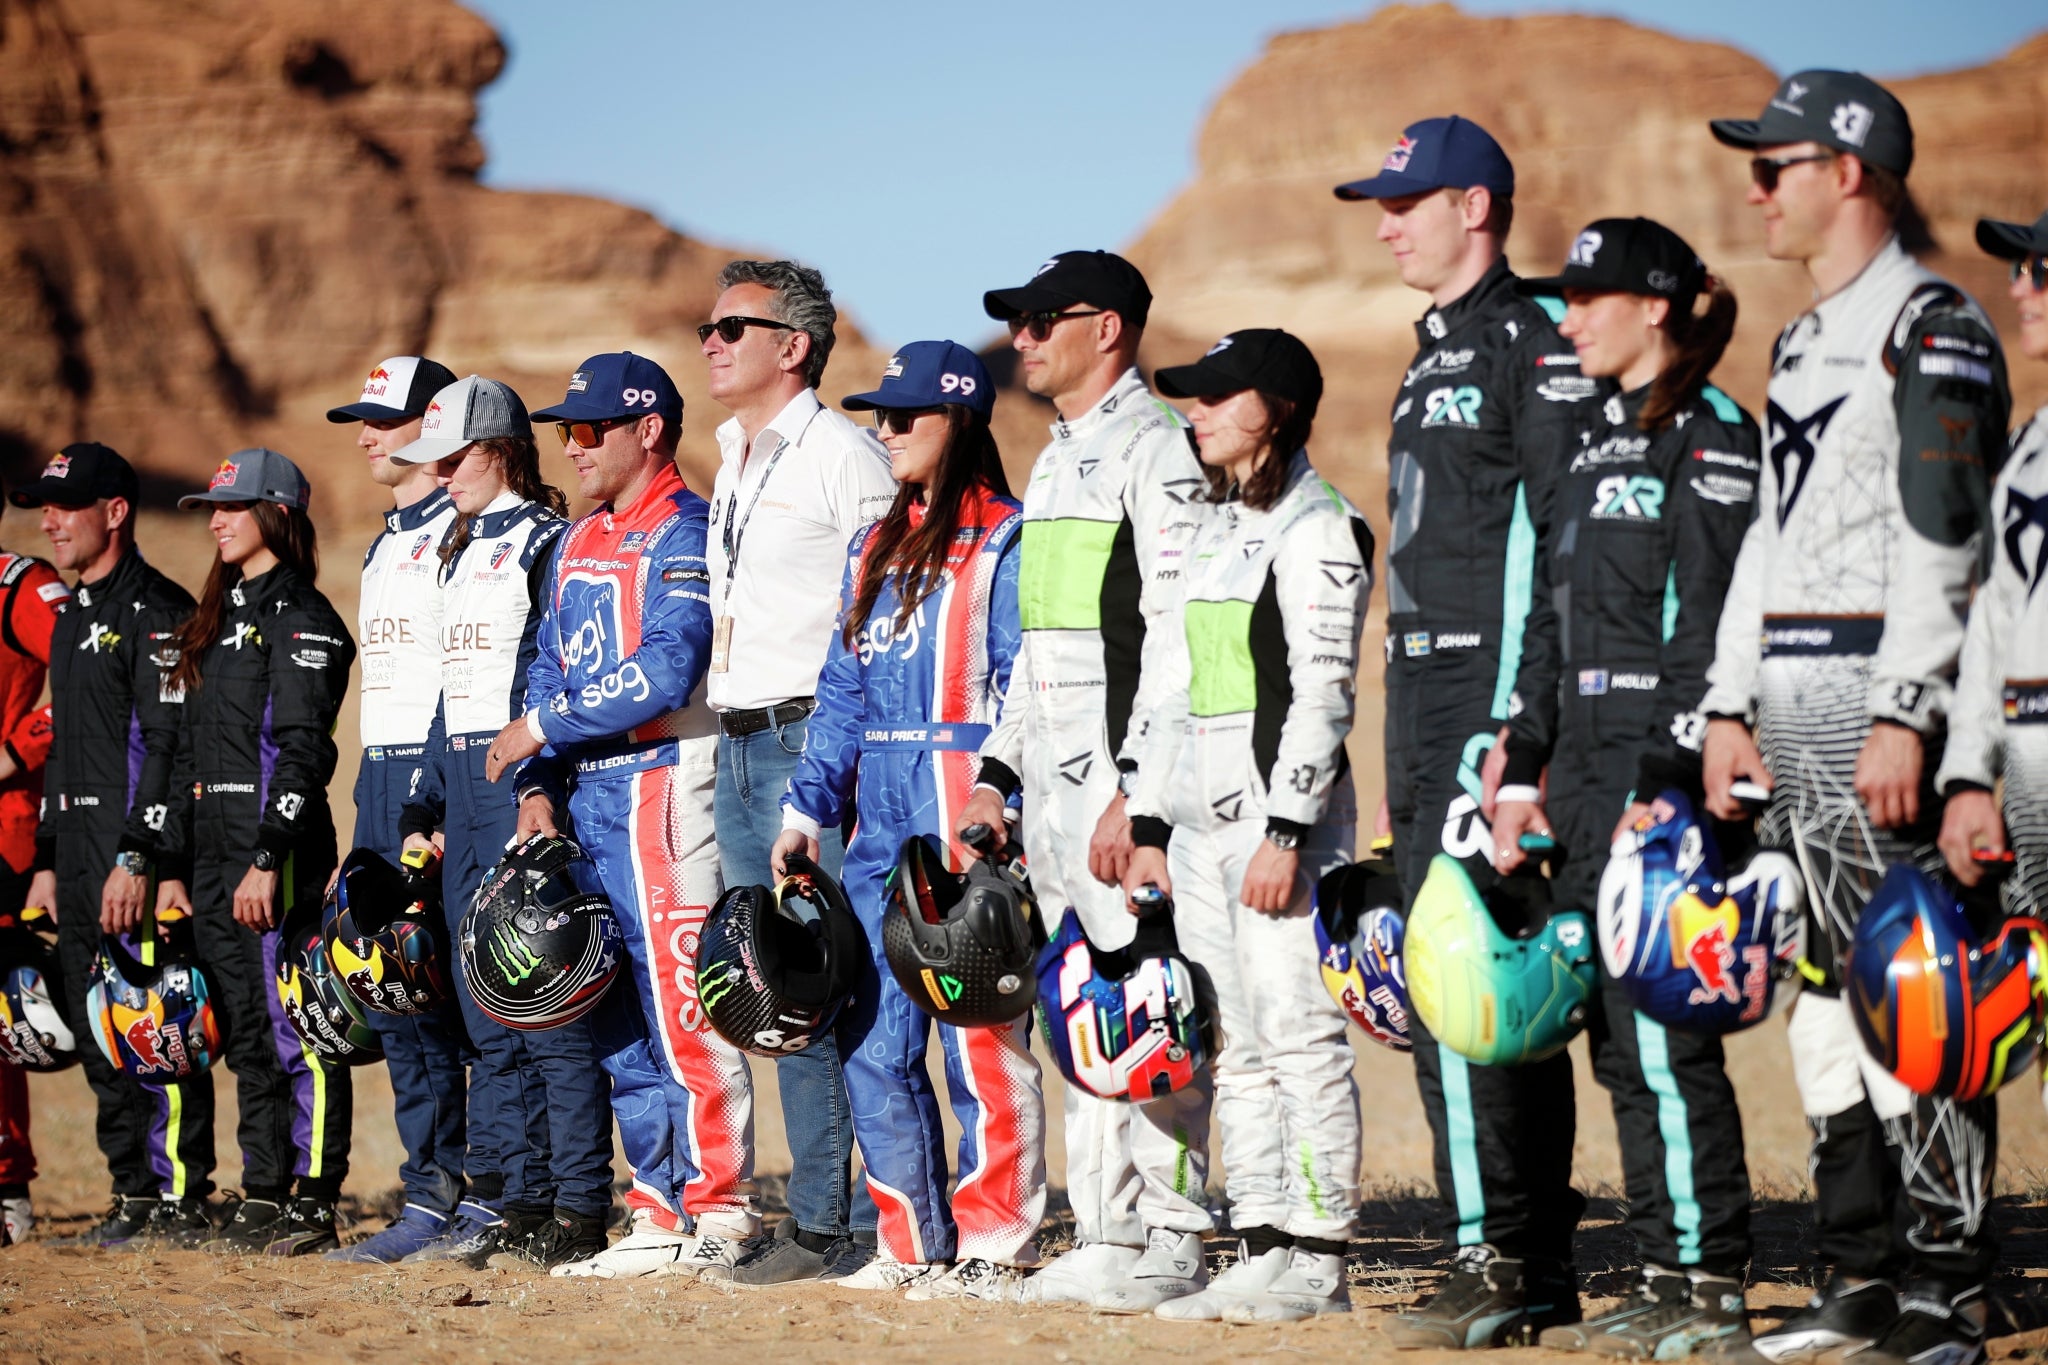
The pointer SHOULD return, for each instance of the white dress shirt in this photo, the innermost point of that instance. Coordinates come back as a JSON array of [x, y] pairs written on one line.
[[781, 518]]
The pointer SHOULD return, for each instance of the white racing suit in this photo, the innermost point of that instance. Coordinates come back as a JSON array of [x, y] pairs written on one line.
[[1106, 520], [1998, 725], [1263, 681], [1886, 420]]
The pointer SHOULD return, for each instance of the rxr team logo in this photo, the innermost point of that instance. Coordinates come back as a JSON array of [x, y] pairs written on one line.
[[1453, 407], [1637, 496], [1585, 248]]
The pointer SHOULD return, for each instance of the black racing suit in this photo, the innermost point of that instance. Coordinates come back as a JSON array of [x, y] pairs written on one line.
[[1645, 530], [255, 754], [114, 728], [1486, 414]]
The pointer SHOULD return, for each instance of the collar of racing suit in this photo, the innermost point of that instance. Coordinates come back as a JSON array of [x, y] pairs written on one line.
[[664, 484], [1439, 323], [1128, 383], [501, 513], [418, 514], [124, 569], [249, 591]]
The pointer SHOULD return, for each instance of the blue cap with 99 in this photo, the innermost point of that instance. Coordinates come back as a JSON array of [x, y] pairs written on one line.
[[925, 374], [1435, 154], [616, 384]]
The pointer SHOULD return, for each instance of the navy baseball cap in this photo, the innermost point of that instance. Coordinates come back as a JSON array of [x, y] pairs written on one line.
[[399, 387], [1845, 110], [616, 384], [2013, 241], [80, 475], [925, 374], [1435, 154]]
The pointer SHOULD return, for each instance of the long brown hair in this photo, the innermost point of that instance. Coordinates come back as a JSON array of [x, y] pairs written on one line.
[[519, 458], [1701, 335], [1287, 430], [287, 533], [916, 555]]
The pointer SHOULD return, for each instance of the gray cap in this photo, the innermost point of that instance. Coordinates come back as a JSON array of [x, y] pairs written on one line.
[[258, 474], [2013, 241], [1840, 109], [469, 410]]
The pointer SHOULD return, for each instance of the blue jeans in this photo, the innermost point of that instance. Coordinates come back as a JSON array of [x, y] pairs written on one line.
[[753, 770]]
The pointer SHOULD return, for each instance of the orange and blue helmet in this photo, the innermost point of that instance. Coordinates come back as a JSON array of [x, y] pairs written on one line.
[[1131, 1023], [1946, 1012], [153, 1020], [1358, 937], [33, 1033]]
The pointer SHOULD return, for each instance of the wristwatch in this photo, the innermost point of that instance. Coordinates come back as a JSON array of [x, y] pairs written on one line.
[[134, 862], [265, 861], [1286, 840]]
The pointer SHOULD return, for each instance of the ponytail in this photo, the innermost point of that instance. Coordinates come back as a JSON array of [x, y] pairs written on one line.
[[1701, 335]]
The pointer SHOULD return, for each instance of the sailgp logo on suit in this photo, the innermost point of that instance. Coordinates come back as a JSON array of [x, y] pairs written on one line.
[[1457, 407]]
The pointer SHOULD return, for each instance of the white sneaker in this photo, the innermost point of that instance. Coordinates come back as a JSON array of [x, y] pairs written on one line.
[[1079, 1272], [885, 1274], [1312, 1284], [1246, 1278], [712, 1258], [973, 1279], [17, 1218], [1171, 1268], [647, 1249]]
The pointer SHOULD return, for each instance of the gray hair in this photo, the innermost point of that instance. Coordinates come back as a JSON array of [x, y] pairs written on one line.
[[798, 297]]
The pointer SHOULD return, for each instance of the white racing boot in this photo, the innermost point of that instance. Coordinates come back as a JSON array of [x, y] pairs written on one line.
[[1079, 1272], [973, 1279], [1171, 1268], [1312, 1284], [884, 1274], [646, 1249], [1245, 1280]]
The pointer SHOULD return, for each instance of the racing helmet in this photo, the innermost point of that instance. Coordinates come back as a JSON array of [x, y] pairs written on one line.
[[1695, 943], [1132, 1023], [537, 950], [154, 1020], [964, 946], [1358, 934], [1490, 996], [33, 1034], [386, 938], [326, 1017], [775, 967], [1944, 1010]]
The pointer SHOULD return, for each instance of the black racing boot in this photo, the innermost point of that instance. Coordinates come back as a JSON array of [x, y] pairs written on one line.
[[562, 1238], [506, 1235], [126, 1218], [1686, 1313], [307, 1229], [1933, 1328], [1489, 1300], [175, 1225], [251, 1225], [1840, 1318]]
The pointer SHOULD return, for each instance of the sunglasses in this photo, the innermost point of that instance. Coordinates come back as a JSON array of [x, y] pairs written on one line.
[[1039, 325], [898, 421], [731, 329], [2034, 269], [1765, 170], [589, 435]]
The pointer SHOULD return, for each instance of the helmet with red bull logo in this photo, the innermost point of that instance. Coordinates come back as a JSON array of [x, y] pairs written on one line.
[[1492, 996], [33, 1034], [1131, 1023], [151, 1006], [1358, 934], [1696, 943], [1946, 1010], [386, 938]]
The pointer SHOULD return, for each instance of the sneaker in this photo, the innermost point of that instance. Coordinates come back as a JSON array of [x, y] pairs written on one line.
[[646, 1249], [884, 1273], [1172, 1267], [1838, 1319], [846, 1258], [1486, 1302], [17, 1216], [415, 1230], [460, 1235], [1246, 1278], [782, 1259], [1080, 1271], [712, 1258], [174, 1224], [1932, 1329], [249, 1228], [1685, 1314], [307, 1229], [562, 1238], [973, 1279], [128, 1215], [1312, 1284]]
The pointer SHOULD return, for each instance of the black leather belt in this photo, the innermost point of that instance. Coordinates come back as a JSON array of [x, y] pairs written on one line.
[[739, 723]]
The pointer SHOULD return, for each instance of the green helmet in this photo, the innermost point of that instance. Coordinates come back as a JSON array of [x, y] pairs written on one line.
[[1490, 998]]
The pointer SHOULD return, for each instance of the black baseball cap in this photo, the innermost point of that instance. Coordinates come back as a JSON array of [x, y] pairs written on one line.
[[2013, 241], [1628, 256], [397, 388], [1101, 278], [1262, 358], [80, 475], [1845, 110]]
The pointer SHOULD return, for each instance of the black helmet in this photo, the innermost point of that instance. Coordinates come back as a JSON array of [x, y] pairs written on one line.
[[770, 977], [964, 947], [33, 1034], [328, 1019], [386, 938], [537, 950]]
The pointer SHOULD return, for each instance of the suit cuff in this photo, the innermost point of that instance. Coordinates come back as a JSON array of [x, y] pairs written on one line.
[[1149, 831], [998, 777], [540, 736], [1519, 793], [792, 818]]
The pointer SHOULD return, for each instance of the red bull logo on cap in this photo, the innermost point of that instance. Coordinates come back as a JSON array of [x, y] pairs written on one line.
[[223, 477], [59, 467], [377, 384], [1397, 159]]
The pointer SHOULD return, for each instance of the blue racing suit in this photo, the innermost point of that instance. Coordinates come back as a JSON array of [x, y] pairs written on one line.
[[902, 713]]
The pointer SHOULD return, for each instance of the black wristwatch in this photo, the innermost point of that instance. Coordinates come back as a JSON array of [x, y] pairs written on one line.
[[265, 861], [1286, 840], [134, 862]]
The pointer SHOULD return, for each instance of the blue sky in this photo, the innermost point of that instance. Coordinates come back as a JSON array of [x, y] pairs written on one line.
[[919, 153]]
